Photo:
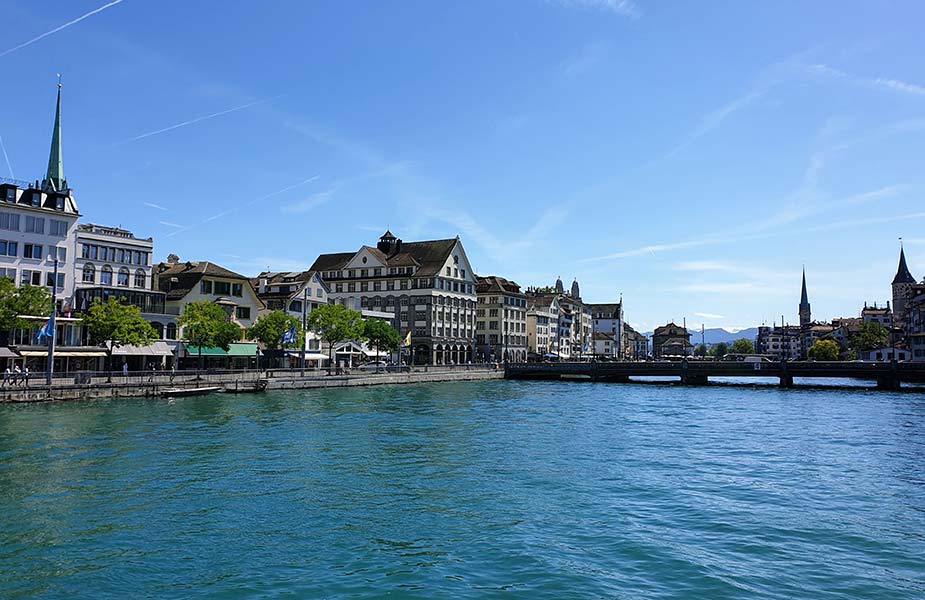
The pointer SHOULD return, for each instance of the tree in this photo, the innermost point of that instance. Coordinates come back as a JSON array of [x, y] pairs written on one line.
[[719, 350], [16, 303], [206, 324], [700, 350], [743, 346], [269, 328], [871, 335], [824, 350], [116, 324], [335, 323], [381, 335]]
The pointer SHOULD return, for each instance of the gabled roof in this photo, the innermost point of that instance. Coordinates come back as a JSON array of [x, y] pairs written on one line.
[[495, 284], [671, 329], [296, 278], [611, 308], [429, 256], [187, 275]]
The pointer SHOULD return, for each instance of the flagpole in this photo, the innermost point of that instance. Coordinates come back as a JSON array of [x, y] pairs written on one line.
[[54, 309], [304, 320]]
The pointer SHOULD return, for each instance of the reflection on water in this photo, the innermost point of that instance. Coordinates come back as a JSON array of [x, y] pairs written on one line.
[[546, 489]]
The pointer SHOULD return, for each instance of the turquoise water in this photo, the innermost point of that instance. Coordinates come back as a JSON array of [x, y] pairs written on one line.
[[517, 489]]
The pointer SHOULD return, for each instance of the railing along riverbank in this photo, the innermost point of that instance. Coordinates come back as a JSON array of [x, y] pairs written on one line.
[[97, 384], [885, 375]]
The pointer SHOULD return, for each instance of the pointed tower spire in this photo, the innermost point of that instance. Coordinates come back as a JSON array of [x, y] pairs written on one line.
[[54, 177], [902, 272], [804, 310]]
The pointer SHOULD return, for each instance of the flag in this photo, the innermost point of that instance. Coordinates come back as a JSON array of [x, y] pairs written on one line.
[[288, 336], [407, 341], [45, 331]]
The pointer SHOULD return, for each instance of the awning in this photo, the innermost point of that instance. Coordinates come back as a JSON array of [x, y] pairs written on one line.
[[153, 349], [7, 353], [308, 355], [236, 349], [63, 353], [374, 353]]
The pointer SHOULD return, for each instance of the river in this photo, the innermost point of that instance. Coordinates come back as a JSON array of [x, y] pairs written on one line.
[[482, 489]]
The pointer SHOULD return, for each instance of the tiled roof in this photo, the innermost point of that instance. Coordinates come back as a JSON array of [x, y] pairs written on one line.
[[612, 308], [494, 283], [429, 256], [187, 275]]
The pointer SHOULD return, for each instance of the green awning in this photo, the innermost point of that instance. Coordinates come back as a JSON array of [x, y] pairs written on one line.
[[236, 349]]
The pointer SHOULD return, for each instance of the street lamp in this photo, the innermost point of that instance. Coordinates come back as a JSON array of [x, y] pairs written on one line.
[[52, 334]]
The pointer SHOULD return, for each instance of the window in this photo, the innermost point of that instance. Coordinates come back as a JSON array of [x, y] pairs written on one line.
[[57, 228], [462, 273], [222, 288], [137, 256], [50, 277], [448, 271], [122, 279], [36, 199], [205, 286], [237, 290], [35, 224], [121, 254], [171, 331], [9, 273], [28, 277], [59, 253], [106, 275], [319, 292], [93, 251], [32, 251], [89, 274], [140, 278], [10, 194], [59, 203], [377, 286], [295, 306], [243, 312], [390, 285], [9, 248], [9, 221]]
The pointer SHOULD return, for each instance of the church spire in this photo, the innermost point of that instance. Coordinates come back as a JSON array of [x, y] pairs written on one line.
[[54, 177], [902, 273], [804, 310]]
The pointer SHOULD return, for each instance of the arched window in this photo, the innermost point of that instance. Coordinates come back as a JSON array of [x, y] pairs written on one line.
[[171, 331], [159, 329], [106, 275], [140, 278], [89, 273], [122, 279]]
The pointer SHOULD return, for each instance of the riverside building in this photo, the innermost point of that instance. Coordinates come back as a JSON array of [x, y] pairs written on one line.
[[542, 327], [37, 223], [427, 288], [501, 320], [608, 319]]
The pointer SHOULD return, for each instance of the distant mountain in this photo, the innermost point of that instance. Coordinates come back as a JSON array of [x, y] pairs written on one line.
[[717, 335]]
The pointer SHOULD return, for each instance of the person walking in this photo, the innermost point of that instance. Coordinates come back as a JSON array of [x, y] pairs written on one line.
[[125, 369], [7, 376], [16, 375], [25, 376]]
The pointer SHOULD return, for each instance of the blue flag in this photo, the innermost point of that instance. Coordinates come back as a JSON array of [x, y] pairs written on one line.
[[43, 332], [288, 336]]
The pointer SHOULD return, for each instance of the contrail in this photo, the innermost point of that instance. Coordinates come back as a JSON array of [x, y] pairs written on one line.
[[6, 156], [198, 120], [60, 27]]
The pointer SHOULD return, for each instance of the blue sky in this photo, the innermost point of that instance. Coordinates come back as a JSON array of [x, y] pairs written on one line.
[[691, 156]]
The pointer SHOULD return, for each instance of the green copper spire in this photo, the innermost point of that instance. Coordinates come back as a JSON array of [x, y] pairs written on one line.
[[54, 178]]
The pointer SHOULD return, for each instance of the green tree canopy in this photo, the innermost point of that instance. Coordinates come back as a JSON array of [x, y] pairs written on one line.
[[743, 346], [335, 323], [719, 350], [700, 350], [871, 335], [206, 324], [824, 350], [116, 324], [16, 303], [381, 335], [269, 328]]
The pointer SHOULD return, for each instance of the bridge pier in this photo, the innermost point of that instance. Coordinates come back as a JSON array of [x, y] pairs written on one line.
[[888, 383], [694, 379], [786, 381]]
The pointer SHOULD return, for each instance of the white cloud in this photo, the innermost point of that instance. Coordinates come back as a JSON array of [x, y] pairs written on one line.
[[708, 315], [153, 205], [60, 27], [169, 224], [822, 70], [627, 8]]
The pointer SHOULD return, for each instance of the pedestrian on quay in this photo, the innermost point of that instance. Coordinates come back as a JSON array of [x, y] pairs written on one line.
[[7, 376], [16, 375], [25, 376], [125, 369]]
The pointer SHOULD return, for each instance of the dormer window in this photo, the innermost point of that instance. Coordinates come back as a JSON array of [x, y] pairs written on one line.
[[10, 194], [36, 199], [59, 203]]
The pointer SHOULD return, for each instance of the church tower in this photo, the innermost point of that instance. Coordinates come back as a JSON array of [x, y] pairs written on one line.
[[805, 313], [902, 288]]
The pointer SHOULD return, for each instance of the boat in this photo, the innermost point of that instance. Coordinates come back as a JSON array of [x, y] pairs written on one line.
[[183, 392]]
